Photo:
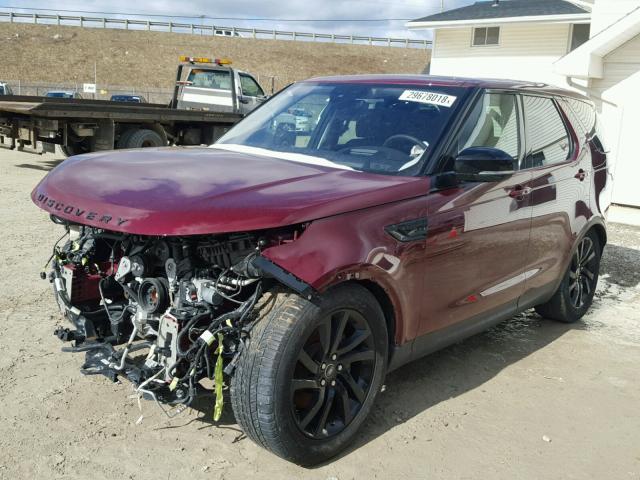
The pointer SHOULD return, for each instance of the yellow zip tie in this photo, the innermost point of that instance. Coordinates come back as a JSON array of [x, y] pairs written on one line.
[[173, 384]]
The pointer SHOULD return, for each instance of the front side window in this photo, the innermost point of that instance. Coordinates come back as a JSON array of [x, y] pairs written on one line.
[[493, 122], [215, 79], [250, 87], [385, 129], [484, 36], [548, 140]]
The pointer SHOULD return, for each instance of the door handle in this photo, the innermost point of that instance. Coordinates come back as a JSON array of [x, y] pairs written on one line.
[[581, 175], [519, 192]]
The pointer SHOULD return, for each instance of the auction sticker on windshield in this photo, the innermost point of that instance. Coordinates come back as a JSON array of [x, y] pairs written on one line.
[[431, 98]]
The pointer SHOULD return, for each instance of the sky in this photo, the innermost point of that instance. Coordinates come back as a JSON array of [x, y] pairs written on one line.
[[335, 10]]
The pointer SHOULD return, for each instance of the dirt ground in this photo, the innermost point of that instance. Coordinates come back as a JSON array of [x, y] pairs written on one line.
[[530, 399]]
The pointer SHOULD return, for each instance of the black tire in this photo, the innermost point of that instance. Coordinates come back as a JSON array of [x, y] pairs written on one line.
[[123, 140], [142, 138], [575, 293], [278, 383], [72, 149]]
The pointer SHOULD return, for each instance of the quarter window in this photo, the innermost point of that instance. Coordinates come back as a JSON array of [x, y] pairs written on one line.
[[493, 122], [483, 36], [585, 113], [549, 142]]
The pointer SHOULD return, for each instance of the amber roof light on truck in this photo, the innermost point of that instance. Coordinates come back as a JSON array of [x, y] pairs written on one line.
[[216, 61]]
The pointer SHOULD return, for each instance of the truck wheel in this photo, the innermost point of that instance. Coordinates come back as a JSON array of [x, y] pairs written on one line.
[[72, 149], [142, 138], [575, 294], [310, 372]]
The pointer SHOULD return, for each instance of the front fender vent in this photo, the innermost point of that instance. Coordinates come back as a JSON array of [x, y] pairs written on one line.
[[410, 231]]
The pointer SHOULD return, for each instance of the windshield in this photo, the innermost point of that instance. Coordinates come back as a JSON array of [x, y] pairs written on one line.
[[59, 95], [372, 128]]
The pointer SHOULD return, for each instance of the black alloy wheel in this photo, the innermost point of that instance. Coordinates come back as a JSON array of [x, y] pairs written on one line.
[[576, 291], [310, 371], [333, 374], [582, 274]]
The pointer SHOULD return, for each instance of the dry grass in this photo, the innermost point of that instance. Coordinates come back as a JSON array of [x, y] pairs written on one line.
[[46, 53]]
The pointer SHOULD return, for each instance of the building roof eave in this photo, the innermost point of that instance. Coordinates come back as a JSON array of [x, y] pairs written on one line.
[[572, 18], [587, 61]]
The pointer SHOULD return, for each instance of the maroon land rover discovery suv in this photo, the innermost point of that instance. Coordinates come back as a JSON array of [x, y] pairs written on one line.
[[346, 227]]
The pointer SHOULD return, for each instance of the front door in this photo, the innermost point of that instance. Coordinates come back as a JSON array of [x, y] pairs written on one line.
[[478, 232], [251, 94]]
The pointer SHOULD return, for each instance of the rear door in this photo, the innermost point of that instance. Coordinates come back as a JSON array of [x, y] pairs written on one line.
[[479, 231], [560, 164]]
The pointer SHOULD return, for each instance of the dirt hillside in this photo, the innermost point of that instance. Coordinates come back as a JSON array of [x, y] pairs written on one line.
[[48, 53]]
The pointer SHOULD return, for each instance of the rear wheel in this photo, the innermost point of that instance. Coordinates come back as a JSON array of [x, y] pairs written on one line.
[[310, 373], [575, 294], [75, 148]]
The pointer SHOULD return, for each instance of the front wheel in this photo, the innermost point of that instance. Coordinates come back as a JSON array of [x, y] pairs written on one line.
[[310, 372], [575, 293]]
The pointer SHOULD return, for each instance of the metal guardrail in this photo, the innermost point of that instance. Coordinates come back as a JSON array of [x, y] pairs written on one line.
[[202, 29]]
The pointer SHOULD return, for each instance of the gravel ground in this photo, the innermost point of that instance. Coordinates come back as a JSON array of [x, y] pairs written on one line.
[[529, 399]]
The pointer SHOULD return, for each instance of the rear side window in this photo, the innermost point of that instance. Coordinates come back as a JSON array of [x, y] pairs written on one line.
[[493, 122], [548, 140]]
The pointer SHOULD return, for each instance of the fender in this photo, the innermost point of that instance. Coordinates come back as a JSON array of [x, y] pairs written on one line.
[[355, 246]]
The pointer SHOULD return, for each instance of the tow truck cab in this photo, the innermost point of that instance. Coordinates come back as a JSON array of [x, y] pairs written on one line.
[[211, 84]]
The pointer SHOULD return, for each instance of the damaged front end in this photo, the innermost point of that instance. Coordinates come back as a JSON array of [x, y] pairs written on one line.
[[164, 312]]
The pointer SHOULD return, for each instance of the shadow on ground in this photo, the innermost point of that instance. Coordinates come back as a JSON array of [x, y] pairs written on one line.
[[424, 383], [44, 165]]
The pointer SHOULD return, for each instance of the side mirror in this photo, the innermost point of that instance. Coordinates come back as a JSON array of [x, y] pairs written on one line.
[[243, 99], [483, 164]]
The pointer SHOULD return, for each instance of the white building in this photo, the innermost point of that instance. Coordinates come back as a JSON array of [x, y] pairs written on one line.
[[589, 45]]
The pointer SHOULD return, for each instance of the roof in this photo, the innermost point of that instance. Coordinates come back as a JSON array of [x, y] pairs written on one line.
[[443, 81], [505, 11], [586, 61]]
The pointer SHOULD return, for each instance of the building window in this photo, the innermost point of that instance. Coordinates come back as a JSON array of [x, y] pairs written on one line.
[[579, 34], [486, 36]]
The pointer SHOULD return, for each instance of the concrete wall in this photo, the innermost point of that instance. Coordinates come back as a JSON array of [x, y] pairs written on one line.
[[526, 52]]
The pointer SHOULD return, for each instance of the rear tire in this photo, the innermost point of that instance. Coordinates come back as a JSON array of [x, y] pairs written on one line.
[[575, 293], [143, 138], [310, 373]]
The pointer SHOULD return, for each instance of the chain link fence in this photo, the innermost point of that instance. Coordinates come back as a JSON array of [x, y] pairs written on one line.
[[270, 84]]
